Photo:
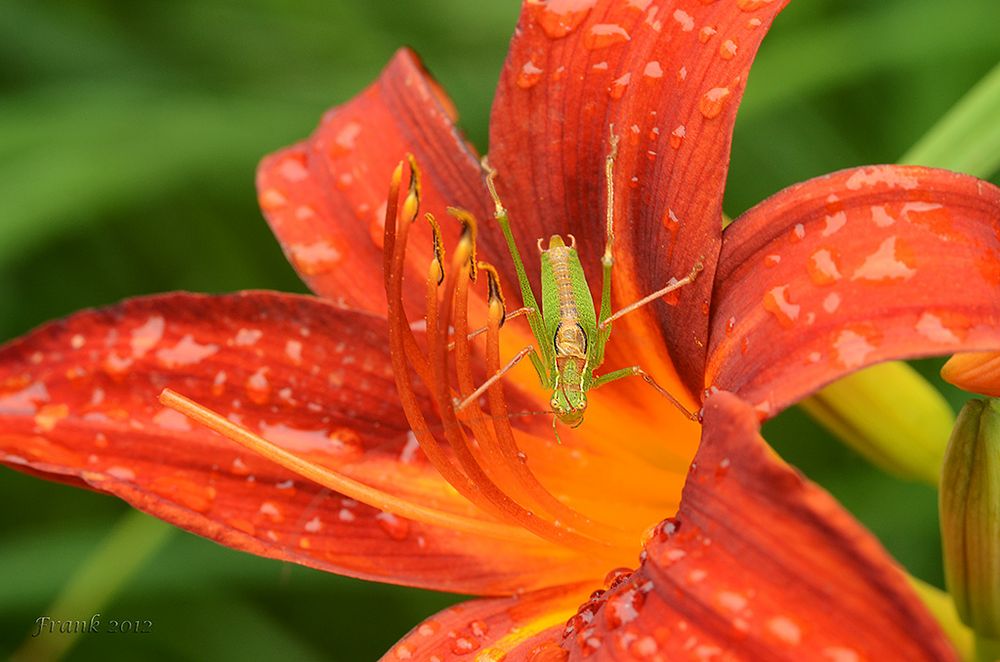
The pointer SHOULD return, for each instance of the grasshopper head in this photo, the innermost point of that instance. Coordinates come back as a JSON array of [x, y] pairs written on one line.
[[569, 406]]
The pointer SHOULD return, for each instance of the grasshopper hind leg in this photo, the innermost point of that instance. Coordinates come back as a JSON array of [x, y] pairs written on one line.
[[636, 371]]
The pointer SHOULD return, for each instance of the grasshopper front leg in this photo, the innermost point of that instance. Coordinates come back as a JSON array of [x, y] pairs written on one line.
[[535, 321], [607, 260]]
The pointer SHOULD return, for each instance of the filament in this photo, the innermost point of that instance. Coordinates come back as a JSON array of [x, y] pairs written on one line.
[[333, 480]]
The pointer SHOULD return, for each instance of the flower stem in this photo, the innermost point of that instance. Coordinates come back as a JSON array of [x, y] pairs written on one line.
[[134, 539], [967, 138], [987, 650]]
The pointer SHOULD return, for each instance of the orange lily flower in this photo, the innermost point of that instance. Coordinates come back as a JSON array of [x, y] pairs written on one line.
[[824, 278]]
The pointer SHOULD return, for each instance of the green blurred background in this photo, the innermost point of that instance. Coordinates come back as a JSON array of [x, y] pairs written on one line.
[[129, 134]]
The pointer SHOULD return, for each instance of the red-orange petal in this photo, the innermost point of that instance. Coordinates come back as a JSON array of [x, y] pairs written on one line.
[[856, 267], [325, 198], [491, 629], [759, 564], [78, 403], [669, 76]]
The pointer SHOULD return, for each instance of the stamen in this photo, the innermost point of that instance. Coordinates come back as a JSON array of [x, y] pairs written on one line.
[[398, 226], [391, 209], [456, 436], [509, 453], [334, 481], [483, 471]]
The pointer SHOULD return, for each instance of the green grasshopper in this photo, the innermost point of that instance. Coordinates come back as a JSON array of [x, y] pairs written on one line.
[[570, 336]]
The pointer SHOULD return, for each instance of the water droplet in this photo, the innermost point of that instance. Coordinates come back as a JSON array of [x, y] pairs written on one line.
[[271, 199], [170, 419], [479, 628], [603, 35], [344, 181], [776, 302], [247, 337], [706, 33], [50, 415], [831, 302], [590, 644], [834, 222], [186, 352], [823, 266], [319, 257], [892, 261], [727, 49], [184, 491], [617, 577], [677, 136], [121, 473], [653, 70], [730, 326], [346, 443], [346, 140], [798, 233], [667, 527], [685, 19], [644, 647], [618, 86], [752, 5], [293, 350], [396, 528], [853, 347], [785, 629], [293, 167], [463, 645], [219, 383], [623, 608], [559, 18], [753, 23], [258, 387], [682, 74], [712, 102], [428, 628], [840, 654], [404, 652], [931, 327], [549, 651], [271, 511], [529, 75]]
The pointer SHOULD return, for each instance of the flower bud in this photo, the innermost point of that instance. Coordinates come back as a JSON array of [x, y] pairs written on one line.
[[890, 414], [970, 516], [978, 372]]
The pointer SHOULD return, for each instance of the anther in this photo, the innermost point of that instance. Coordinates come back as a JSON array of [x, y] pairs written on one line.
[[437, 262], [469, 234], [411, 204], [494, 293]]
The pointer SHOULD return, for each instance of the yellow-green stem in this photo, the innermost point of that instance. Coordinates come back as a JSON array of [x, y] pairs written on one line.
[[133, 540]]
